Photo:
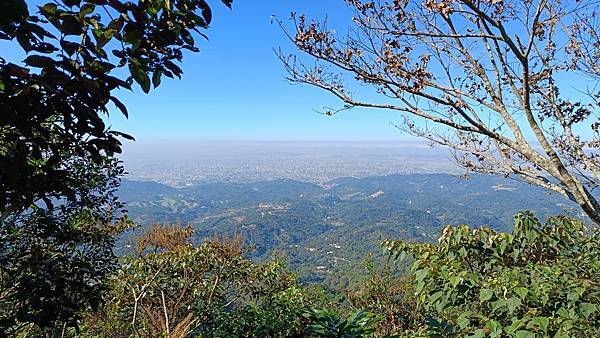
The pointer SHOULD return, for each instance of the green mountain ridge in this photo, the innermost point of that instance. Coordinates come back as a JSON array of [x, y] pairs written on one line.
[[324, 229]]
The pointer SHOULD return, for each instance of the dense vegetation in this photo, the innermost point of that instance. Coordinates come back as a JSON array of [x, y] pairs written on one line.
[[60, 274], [58, 166], [171, 288], [539, 280], [325, 231]]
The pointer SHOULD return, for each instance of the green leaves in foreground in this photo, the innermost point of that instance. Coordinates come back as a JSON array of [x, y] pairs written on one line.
[[91, 50], [328, 323], [541, 280], [64, 62], [171, 288]]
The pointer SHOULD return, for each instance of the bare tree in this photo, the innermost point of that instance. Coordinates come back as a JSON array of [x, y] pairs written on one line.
[[507, 85]]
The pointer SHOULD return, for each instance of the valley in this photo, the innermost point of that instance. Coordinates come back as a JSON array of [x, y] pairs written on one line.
[[328, 228]]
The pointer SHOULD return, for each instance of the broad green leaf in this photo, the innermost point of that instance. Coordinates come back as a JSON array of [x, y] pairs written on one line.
[[524, 334], [49, 8], [494, 327], [421, 274], [434, 297], [139, 75], [39, 61], [587, 309], [513, 303], [156, 78], [514, 326], [463, 322], [522, 292], [485, 295], [541, 322], [454, 280], [87, 9], [477, 334], [498, 304], [120, 106]]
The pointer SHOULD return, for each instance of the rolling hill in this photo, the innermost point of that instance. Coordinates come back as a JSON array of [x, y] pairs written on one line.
[[327, 228]]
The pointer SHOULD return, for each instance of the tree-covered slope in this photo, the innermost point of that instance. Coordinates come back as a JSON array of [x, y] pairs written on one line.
[[330, 227]]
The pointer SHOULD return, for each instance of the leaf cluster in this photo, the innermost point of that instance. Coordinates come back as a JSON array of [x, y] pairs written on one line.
[[54, 263], [78, 54], [543, 279], [328, 323], [206, 290]]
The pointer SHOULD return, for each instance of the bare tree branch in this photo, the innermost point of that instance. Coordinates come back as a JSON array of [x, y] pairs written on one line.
[[489, 75]]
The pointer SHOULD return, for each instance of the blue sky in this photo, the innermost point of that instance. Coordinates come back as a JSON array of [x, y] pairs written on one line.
[[235, 89]]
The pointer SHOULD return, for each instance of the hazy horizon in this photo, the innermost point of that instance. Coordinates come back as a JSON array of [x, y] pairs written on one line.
[[179, 162]]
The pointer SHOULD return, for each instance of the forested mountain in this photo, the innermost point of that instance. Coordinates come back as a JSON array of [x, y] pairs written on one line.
[[330, 227]]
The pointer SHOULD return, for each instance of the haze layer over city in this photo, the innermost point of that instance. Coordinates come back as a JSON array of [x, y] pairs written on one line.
[[180, 163]]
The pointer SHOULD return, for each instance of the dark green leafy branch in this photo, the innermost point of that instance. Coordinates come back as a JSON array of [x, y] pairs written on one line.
[[78, 54], [58, 171]]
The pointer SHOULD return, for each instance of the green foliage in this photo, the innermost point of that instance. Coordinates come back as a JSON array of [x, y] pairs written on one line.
[[326, 233], [51, 105], [175, 289], [543, 279], [54, 261], [328, 323], [387, 294], [58, 170]]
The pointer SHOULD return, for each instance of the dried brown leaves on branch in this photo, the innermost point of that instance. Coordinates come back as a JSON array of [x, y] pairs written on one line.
[[156, 291], [509, 86]]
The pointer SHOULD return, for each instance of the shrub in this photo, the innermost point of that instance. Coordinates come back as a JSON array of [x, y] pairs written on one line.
[[387, 294], [328, 323], [172, 288], [543, 279]]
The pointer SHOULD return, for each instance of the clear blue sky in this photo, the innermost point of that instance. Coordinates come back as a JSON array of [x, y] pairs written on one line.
[[234, 88]]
